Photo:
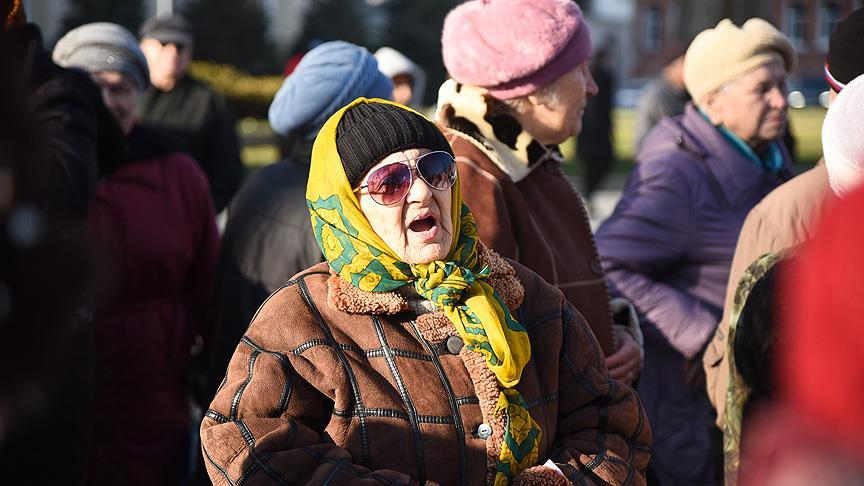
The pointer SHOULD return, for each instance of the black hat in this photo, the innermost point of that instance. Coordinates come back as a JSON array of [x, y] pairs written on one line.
[[368, 132], [845, 60], [172, 29]]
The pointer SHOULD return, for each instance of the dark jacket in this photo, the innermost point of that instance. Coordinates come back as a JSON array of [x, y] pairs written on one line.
[[197, 115], [155, 221], [335, 385], [668, 247], [268, 239], [525, 206]]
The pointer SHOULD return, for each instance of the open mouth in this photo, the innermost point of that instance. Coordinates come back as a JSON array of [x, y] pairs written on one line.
[[422, 224]]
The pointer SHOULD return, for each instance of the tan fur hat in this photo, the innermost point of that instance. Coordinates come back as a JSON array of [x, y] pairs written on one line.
[[724, 53]]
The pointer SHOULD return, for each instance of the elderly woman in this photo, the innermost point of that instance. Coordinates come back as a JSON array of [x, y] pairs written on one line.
[[415, 355], [155, 226], [669, 244], [518, 90]]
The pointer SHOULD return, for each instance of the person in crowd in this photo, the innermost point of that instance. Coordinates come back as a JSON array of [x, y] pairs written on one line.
[[665, 96], [752, 344], [415, 355], [57, 140], [193, 111], [409, 80], [787, 216], [594, 143], [154, 220], [669, 243], [514, 95], [268, 237], [814, 433]]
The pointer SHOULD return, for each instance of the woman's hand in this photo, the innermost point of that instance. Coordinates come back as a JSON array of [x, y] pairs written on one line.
[[625, 364]]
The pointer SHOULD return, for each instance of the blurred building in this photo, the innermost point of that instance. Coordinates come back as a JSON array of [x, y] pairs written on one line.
[[663, 27]]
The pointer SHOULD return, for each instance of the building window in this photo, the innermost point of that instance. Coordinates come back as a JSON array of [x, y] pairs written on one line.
[[829, 17], [795, 25], [652, 29]]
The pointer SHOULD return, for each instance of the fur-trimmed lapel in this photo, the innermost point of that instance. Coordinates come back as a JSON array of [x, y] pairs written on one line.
[[473, 111]]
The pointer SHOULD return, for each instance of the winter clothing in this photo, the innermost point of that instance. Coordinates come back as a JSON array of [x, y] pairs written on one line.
[[103, 46], [784, 218], [816, 429], [458, 286], [159, 301], [197, 115], [659, 99], [842, 137], [594, 143], [371, 131], [470, 304], [523, 201], [724, 53], [268, 239], [667, 247], [514, 47], [326, 79], [845, 60], [393, 63], [739, 391], [168, 29], [358, 375]]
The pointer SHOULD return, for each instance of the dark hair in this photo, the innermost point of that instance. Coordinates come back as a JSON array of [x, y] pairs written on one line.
[[755, 338]]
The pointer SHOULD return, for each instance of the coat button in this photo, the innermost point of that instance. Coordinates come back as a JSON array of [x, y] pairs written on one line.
[[454, 344], [484, 431]]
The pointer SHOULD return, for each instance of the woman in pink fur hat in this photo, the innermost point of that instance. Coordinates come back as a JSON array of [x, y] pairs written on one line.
[[520, 81]]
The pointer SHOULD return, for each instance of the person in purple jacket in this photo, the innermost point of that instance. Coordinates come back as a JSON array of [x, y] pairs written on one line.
[[668, 245]]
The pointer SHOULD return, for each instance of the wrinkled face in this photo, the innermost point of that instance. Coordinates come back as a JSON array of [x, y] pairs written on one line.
[[167, 62], [554, 119], [753, 106], [121, 96], [419, 229]]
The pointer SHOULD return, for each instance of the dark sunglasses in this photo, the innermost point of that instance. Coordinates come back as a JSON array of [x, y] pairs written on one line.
[[389, 185]]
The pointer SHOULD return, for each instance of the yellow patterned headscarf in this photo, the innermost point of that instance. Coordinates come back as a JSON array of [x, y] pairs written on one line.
[[458, 285]]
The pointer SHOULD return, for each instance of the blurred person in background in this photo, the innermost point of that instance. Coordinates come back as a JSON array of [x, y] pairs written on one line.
[[268, 237], [57, 140], [515, 94], [814, 431], [668, 245], [190, 109], [787, 217], [665, 96], [154, 222], [409, 80], [594, 148]]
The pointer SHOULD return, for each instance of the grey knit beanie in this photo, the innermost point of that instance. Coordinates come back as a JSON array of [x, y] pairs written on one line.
[[103, 46]]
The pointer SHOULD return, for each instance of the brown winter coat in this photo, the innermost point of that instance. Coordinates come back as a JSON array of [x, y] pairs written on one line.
[[539, 221], [784, 218], [333, 385]]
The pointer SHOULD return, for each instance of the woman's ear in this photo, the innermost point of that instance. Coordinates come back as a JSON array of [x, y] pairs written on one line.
[[712, 106]]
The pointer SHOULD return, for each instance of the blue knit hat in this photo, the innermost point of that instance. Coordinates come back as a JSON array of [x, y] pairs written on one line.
[[327, 78]]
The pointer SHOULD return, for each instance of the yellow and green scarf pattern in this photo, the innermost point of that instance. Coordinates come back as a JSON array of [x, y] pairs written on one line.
[[356, 252]]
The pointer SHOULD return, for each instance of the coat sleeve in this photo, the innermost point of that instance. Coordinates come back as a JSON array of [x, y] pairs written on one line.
[[484, 195], [646, 236], [603, 435], [266, 423]]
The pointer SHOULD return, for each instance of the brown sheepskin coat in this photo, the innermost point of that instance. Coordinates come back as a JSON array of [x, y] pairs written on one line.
[[333, 385]]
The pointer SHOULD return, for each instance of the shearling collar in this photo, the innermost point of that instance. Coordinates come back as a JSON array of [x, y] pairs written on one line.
[[345, 297], [473, 111]]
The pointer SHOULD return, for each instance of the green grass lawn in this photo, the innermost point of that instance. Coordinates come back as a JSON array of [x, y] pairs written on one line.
[[259, 148]]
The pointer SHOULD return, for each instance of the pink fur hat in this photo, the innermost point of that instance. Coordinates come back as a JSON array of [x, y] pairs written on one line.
[[514, 47]]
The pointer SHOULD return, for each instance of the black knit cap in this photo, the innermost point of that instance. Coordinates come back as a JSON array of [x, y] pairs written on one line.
[[846, 48], [368, 132]]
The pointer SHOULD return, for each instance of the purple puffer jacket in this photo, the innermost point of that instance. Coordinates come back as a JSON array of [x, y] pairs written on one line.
[[668, 248]]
